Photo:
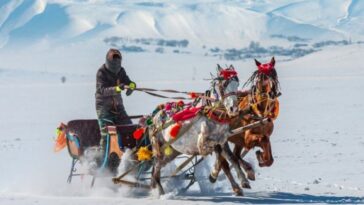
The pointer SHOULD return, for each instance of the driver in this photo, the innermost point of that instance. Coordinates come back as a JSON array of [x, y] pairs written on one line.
[[111, 80]]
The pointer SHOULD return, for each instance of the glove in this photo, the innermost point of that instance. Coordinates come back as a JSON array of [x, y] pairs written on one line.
[[120, 87], [131, 88]]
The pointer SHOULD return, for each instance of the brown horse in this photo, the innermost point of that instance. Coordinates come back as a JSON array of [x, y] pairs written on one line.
[[258, 103]]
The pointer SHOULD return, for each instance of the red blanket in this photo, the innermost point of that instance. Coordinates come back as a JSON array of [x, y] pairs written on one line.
[[186, 114]]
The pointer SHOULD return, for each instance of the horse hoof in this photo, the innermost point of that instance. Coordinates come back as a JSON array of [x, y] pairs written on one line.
[[238, 192], [212, 179], [161, 192], [115, 180], [153, 184], [251, 175], [246, 185]]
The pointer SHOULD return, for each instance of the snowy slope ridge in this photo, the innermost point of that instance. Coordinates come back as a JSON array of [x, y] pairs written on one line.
[[203, 22], [15, 14], [344, 16]]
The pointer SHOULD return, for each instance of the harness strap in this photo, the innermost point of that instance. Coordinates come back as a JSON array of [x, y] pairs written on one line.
[[217, 115], [161, 90], [166, 97]]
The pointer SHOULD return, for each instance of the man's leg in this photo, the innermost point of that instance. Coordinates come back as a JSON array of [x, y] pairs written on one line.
[[104, 120], [123, 118]]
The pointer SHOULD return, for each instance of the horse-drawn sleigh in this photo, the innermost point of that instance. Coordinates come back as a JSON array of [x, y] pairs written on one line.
[[186, 131]]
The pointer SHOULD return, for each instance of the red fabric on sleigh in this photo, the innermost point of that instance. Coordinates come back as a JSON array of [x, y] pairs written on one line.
[[186, 114]]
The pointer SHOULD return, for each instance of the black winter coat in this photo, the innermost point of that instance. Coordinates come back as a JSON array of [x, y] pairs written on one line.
[[108, 101]]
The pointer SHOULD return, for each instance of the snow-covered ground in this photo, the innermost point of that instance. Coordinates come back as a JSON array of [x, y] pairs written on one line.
[[317, 142]]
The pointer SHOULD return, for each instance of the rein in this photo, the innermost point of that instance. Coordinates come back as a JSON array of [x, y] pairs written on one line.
[[193, 95], [217, 114]]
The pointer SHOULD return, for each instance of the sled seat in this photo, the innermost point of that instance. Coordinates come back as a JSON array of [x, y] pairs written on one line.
[[82, 134]]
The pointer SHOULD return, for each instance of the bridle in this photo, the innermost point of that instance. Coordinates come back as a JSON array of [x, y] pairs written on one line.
[[221, 95], [258, 96]]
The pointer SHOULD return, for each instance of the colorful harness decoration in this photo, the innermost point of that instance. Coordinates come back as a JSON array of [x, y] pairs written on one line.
[[228, 74], [266, 68]]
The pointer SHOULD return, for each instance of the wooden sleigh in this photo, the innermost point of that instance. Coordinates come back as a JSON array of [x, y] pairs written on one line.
[[83, 135]]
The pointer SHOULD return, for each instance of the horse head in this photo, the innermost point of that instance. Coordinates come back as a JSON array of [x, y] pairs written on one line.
[[224, 89], [264, 89], [266, 78]]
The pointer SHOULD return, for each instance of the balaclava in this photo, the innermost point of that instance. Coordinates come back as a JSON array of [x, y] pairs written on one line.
[[113, 60]]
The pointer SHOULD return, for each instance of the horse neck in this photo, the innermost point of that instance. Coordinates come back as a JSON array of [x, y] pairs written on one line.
[[258, 106]]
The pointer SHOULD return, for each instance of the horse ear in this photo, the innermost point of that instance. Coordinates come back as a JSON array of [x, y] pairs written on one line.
[[232, 67], [273, 61], [219, 68], [212, 75], [257, 62]]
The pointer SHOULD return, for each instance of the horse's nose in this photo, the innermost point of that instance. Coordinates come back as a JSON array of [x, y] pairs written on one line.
[[269, 162], [233, 110]]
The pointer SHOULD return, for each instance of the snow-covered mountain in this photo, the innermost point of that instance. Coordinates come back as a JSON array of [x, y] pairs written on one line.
[[50, 51], [218, 22]]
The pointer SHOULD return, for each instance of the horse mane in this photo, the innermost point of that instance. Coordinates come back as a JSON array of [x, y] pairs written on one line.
[[272, 75]]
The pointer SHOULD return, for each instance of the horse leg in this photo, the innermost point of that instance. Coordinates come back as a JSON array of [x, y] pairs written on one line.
[[222, 163], [226, 168], [244, 164], [227, 154], [156, 172], [156, 177], [217, 166]]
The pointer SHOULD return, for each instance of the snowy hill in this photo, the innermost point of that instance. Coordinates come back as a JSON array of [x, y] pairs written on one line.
[[204, 22]]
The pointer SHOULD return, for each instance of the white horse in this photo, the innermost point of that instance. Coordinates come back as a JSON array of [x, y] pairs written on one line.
[[202, 134]]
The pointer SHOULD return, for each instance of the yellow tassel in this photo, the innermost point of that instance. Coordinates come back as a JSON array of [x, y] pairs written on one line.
[[144, 154], [58, 131], [168, 151]]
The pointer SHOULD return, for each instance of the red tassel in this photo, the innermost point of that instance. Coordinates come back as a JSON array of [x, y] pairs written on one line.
[[227, 74], [180, 103], [266, 68], [175, 130], [138, 133]]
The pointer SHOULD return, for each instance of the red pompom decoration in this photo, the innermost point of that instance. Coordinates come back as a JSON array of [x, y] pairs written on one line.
[[266, 68], [138, 133], [193, 95], [180, 103], [175, 130], [227, 74]]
